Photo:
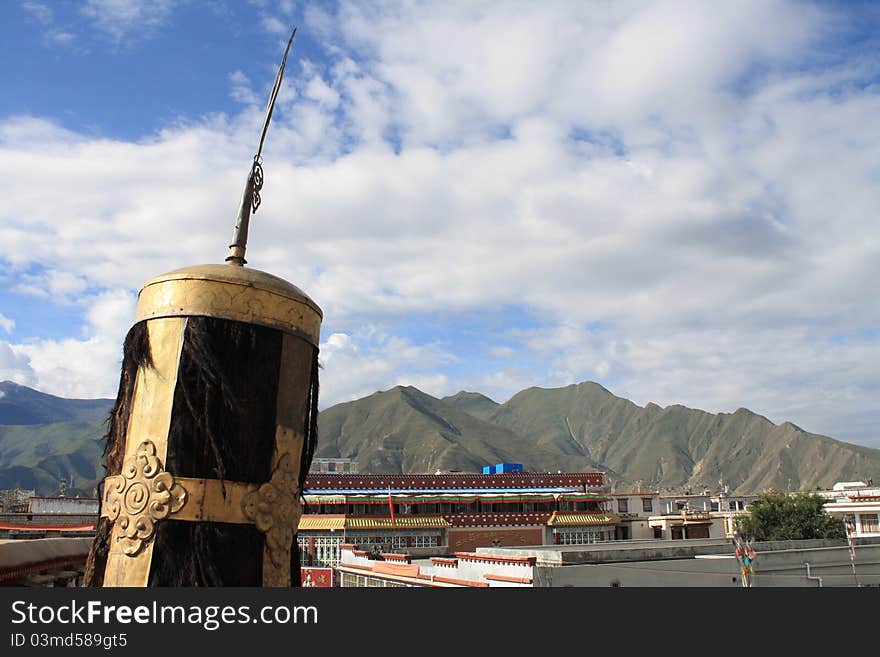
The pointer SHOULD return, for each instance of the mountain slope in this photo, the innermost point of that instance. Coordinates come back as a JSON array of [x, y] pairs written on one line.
[[41, 456], [575, 428], [682, 447], [472, 403], [22, 405], [406, 430]]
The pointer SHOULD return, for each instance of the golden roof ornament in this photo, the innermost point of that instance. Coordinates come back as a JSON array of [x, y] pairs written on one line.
[[215, 423]]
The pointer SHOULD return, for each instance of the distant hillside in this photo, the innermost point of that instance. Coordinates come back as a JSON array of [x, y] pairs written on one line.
[[472, 403], [46, 439], [42, 456], [586, 426], [682, 447], [22, 405], [406, 430], [575, 428]]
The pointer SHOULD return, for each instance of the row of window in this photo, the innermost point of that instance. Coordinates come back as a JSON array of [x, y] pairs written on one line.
[[326, 548], [352, 580], [583, 536], [648, 505], [452, 508]]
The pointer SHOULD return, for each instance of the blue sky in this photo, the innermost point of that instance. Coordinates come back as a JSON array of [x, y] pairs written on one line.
[[675, 199]]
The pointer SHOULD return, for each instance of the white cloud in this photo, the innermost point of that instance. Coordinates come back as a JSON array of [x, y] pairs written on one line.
[[60, 286], [502, 352], [715, 214], [318, 90], [14, 366], [75, 367], [40, 11], [6, 324], [45, 16], [359, 364], [275, 26], [127, 19], [242, 91]]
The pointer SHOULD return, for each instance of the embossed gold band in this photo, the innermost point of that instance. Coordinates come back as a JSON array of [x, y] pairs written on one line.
[[211, 291], [145, 494], [204, 500]]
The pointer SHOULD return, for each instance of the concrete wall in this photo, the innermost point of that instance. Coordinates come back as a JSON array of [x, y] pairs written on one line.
[[828, 566], [78, 505], [640, 530], [50, 518]]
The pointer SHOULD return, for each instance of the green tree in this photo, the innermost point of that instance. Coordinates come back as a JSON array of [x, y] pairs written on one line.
[[782, 517]]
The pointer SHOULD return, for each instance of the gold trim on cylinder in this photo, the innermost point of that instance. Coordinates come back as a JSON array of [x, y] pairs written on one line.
[[146, 447], [230, 292]]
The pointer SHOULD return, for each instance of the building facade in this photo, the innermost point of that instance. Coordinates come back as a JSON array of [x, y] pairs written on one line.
[[650, 515], [858, 504], [452, 512]]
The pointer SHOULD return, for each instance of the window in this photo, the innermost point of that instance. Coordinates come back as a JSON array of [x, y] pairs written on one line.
[[425, 541], [350, 580], [869, 523], [713, 506], [622, 506], [647, 505], [326, 550], [581, 537]]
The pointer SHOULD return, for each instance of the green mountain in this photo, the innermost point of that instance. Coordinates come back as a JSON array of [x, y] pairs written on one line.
[[575, 428], [681, 447], [41, 456], [405, 430], [45, 440], [22, 405], [473, 403], [585, 426]]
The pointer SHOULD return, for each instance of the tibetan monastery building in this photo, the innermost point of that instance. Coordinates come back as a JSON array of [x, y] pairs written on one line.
[[450, 513]]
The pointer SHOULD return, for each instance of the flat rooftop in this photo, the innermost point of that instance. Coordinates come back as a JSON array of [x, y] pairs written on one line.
[[649, 550]]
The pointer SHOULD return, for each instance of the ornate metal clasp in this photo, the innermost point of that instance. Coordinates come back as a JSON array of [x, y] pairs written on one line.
[[141, 495]]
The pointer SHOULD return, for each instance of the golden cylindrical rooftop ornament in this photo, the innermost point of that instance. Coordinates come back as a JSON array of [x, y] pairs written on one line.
[[214, 427]]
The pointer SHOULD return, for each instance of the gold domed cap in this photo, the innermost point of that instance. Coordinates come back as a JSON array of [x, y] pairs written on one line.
[[231, 292]]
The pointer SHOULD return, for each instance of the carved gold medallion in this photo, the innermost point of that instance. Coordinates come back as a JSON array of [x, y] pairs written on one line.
[[141, 495]]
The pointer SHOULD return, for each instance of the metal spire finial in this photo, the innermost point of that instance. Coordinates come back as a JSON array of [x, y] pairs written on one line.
[[250, 198]]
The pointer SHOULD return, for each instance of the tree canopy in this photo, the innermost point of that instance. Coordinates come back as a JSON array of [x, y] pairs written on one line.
[[782, 517]]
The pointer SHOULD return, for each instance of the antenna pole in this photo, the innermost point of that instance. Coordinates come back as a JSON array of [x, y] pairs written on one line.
[[250, 197]]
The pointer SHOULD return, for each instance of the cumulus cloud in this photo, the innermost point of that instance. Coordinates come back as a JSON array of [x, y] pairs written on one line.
[[15, 366], [122, 19], [86, 366], [6, 324], [241, 90], [358, 364], [681, 196], [43, 14]]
